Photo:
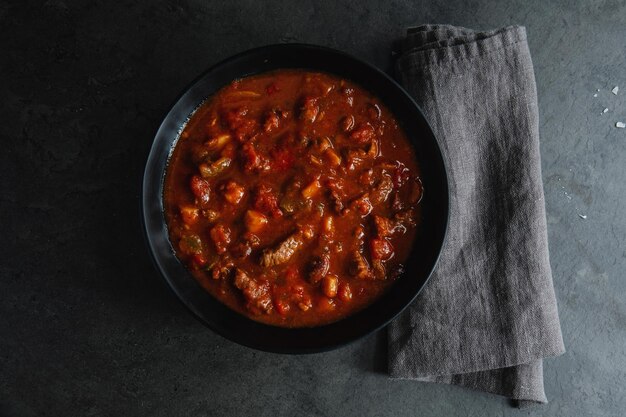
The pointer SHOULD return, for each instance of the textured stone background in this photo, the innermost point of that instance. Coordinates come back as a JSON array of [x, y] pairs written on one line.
[[86, 327]]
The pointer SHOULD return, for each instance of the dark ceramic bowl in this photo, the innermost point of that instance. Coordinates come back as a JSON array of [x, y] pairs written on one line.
[[427, 246]]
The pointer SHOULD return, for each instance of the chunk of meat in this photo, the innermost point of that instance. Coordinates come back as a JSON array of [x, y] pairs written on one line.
[[380, 249], [201, 189], [272, 121], [266, 202], [241, 250], [396, 204], [283, 252], [359, 267], [319, 268], [253, 161], [355, 158], [233, 192], [378, 268], [400, 175], [406, 218], [362, 205], [381, 192], [222, 268], [220, 235], [309, 109], [257, 293], [385, 227], [363, 134], [240, 124]]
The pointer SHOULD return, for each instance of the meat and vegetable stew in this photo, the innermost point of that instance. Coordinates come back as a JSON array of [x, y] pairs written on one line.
[[293, 197]]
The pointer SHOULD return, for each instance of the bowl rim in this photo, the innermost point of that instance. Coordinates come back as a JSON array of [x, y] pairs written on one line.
[[146, 180]]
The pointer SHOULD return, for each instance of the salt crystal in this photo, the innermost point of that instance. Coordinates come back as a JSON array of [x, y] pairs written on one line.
[[621, 125], [583, 216], [615, 90]]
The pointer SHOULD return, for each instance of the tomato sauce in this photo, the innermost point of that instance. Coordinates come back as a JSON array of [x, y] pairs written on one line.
[[293, 197]]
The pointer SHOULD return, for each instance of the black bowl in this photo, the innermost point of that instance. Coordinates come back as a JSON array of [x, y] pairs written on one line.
[[427, 245]]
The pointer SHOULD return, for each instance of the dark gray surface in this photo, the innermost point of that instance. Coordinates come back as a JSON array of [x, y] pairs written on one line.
[[88, 329]]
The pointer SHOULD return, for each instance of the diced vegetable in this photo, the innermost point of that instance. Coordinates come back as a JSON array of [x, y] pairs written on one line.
[[323, 144], [210, 215], [189, 214], [330, 285], [233, 192], [331, 158], [373, 151], [214, 168], [312, 189], [190, 244], [328, 226], [306, 303], [216, 143], [255, 221]]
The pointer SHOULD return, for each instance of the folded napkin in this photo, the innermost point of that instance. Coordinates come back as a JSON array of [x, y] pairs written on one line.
[[488, 315]]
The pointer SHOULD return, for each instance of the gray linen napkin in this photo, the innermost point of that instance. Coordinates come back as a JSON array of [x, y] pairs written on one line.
[[488, 315]]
